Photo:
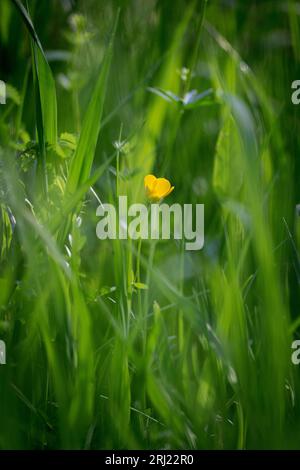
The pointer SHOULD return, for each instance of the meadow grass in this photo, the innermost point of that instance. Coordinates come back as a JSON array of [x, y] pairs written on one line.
[[121, 344]]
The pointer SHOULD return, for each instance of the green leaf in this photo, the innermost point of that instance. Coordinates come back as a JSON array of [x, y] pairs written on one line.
[[140, 285], [193, 99], [165, 94], [107, 290], [69, 140]]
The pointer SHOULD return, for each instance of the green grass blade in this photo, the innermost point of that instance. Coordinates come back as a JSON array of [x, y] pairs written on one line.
[[71, 203], [46, 86], [83, 159], [45, 80]]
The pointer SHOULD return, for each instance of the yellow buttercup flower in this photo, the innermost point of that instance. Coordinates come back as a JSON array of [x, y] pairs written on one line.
[[157, 188]]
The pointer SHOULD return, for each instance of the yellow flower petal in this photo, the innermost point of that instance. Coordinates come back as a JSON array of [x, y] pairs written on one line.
[[171, 189], [157, 188], [161, 187], [149, 181]]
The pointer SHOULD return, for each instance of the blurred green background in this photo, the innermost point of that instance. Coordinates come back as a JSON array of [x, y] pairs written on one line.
[[129, 345]]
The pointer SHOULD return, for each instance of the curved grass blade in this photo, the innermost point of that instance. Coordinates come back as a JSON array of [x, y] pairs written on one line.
[[45, 81], [27, 20]]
